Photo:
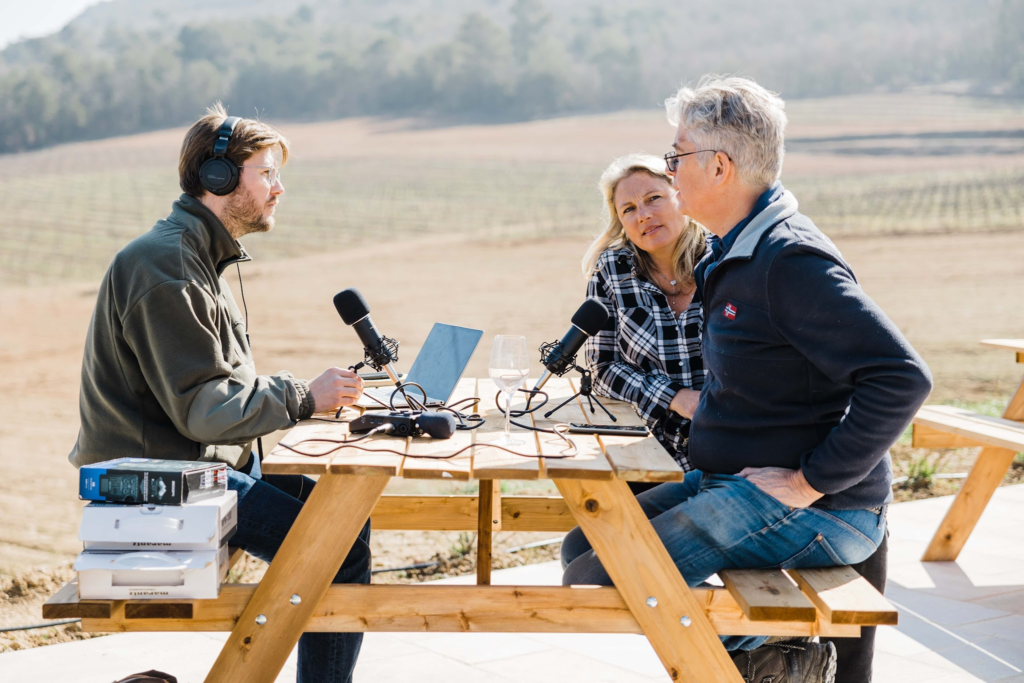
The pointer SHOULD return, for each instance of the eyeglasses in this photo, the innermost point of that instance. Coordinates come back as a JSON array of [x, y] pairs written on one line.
[[672, 160], [273, 176]]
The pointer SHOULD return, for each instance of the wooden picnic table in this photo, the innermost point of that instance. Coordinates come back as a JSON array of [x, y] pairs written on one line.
[[649, 597], [1000, 438]]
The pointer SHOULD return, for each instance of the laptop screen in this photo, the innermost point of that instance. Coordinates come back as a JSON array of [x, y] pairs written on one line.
[[443, 359]]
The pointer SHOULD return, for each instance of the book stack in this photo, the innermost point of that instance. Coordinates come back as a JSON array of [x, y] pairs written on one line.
[[154, 529]]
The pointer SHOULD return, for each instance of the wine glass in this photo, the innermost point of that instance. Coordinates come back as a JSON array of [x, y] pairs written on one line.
[[508, 368]]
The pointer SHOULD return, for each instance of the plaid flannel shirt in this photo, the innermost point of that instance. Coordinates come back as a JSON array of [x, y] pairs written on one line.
[[645, 354]]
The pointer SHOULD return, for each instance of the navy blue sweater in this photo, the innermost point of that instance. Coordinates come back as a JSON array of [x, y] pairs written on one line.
[[805, 370]]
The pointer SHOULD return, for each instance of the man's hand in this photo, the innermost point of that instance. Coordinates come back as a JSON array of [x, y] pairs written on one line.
[[685, 402], [335, 388], [786, 486]]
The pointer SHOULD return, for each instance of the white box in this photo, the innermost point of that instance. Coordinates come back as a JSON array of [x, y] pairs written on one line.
[[206, 525], [108, 575]]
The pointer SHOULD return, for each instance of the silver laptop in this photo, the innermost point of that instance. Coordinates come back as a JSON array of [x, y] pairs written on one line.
[[437, 368]]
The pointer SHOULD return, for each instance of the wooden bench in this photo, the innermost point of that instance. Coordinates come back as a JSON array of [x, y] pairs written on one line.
[[649, 596], [828, 602], [1000, 438]]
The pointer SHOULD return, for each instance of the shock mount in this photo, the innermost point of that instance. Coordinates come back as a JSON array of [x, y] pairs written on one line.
[[553, 357]]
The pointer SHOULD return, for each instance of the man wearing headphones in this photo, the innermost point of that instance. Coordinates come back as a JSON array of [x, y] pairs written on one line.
[[168, 373]]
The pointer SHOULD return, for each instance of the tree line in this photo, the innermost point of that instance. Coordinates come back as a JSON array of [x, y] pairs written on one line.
[[534, 63]]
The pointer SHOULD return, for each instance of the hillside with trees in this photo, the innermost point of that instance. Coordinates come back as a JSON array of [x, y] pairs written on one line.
[[126, 66]]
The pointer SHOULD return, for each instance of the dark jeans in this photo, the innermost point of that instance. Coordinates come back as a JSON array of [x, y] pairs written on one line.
[[711, 522], [855, 655], [267, 508]]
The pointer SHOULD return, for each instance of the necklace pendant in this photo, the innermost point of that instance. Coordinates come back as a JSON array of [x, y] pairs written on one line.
[[672, 282]]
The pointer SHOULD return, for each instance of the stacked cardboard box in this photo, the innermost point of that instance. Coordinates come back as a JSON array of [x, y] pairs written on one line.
[[138, 550]]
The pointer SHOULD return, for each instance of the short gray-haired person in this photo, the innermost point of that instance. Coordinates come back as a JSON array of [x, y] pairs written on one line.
[[808, 385]]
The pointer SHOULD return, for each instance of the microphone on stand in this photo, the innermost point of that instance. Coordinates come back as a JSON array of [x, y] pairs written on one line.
[[380, 351], [560, 357]]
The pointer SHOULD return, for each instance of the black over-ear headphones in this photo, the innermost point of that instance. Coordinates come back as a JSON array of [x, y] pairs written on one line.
[[219, 175]]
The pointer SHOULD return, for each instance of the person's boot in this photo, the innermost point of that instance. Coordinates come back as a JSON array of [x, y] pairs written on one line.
[[788, 661]]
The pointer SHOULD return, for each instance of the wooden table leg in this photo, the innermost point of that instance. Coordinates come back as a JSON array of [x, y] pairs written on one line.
[[488, 521], [304, 566], [981, 483], [983, 480], [635, 559]]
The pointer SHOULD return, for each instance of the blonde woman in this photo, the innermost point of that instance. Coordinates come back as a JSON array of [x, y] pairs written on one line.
[[641, 269]]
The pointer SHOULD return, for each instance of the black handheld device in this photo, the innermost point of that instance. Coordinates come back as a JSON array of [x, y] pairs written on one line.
[[610, 430], [405, 423]]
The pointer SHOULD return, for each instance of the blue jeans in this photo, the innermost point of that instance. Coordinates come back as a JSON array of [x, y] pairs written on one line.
[[711, 522], [267, 508]]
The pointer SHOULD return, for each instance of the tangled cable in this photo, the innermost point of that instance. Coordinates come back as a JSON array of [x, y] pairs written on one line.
[[465, 422]]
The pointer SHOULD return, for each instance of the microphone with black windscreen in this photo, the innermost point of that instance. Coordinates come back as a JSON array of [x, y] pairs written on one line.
[[380, 351], [560, 357]]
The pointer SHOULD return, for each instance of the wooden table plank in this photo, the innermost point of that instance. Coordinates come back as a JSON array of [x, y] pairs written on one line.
[[493, 463], [280, 460], [358, 460], [590, 461], [927, 437], [536, 513], [461, 609], [424, 513], [344, 461], [1015, 345], [65, 604], [992, 431], [363, 461], [637, 459], [844, 596], [767, 595], [459, 513], [457, 468]]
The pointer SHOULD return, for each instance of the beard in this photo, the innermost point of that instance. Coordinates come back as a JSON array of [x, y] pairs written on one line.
[[244, 215]]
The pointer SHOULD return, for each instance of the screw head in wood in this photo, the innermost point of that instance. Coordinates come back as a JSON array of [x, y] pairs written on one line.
[[685, 620], [652, 601], [295, 599], [261, 619]]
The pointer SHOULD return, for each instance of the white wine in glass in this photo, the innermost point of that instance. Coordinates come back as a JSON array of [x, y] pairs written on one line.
[[509, 367]]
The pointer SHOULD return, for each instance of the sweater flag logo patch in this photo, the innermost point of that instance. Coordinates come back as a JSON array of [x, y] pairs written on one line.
[[729, 312]]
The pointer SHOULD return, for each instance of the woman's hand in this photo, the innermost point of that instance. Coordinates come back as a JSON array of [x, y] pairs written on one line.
[[685, 402], [789, 487]]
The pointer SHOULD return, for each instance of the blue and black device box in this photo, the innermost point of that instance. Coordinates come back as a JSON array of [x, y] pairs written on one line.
[[154, 482]]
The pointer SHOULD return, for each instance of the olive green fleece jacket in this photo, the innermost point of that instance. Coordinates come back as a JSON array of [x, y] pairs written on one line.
[[167, 371]]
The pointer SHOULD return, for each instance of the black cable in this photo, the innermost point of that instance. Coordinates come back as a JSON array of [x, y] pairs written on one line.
[[528, 411], [30, 627], [375, 430], [414, 404], [245, 307], [348, 443], [466, 422], [241, 290], [421, 565], [475, 420]]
